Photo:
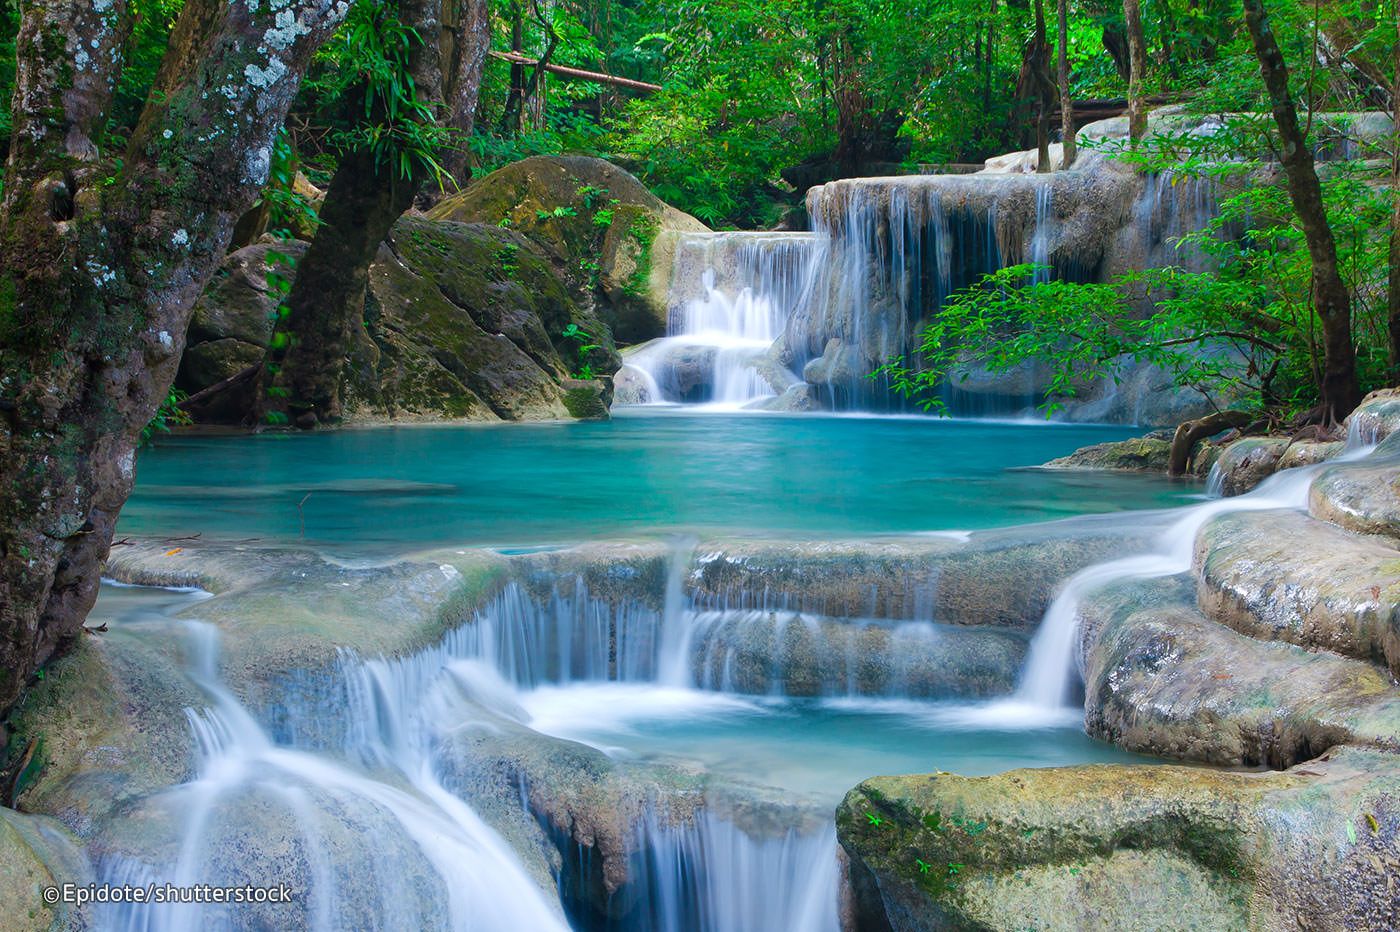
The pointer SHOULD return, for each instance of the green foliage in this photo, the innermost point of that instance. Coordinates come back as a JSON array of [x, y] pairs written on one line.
[[1243, 333], [168, 415], [583, 368]]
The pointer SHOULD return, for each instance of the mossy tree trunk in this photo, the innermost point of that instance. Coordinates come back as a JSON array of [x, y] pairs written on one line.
[[1331, 299], [302, 374], [102, 255]]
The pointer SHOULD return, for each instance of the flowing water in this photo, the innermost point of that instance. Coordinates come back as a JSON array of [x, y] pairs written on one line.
[[386, 840]]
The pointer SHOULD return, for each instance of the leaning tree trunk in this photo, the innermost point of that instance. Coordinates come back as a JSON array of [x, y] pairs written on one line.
[[301, 377], [1071, 148], [1393, 285], [1137, 64], [1331, 298], [101, 260]]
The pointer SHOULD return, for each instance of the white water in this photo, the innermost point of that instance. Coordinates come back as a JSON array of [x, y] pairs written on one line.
[[750, 285], [1050, 673], [466, 877]]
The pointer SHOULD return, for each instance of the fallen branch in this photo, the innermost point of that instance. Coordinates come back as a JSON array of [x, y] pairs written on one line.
[[564, 71]]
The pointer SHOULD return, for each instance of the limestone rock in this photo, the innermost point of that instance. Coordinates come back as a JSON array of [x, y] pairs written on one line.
[[461, 321], [1137, 454], [1127, 847], [1286, 576], [603, 231], [1248, 462], [1162, 679]]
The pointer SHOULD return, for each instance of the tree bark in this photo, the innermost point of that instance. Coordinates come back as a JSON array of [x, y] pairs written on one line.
[[1070, 143], [1339, 388], [1393, 284], [1137, 65], [101, 260], [305, 364], [1191, 433], [1044, 89]]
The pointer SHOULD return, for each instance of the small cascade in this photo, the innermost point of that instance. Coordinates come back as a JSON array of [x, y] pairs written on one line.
[[1049, 677], [708, 875], [731, 298], [378, 844]]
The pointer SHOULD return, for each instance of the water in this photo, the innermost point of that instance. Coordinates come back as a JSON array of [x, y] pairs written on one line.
[[1049, 674], [388, 490], [378, 838]]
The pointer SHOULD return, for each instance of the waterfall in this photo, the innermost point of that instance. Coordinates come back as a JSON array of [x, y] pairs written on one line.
[[708, 875], [1049, 675], [791, 321], [719, 340], [454, 871]]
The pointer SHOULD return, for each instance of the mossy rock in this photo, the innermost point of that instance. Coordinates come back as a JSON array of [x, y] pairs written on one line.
[[1129, 847], [602, 230], [461, 321], [1136, 454]]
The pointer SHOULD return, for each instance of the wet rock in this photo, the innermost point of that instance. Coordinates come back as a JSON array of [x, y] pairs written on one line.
[[1165, 848], [1362, 496], [1246, 463], [631, 387], [1309, 453], [1377, 417], [1162, 679], [37, 853], [1286, 576], [1137, 454], [587, 399], [602, 230]]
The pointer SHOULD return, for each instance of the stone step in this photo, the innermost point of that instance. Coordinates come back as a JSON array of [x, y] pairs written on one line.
[[1286, 576], [1162, 679], [1363, 496]]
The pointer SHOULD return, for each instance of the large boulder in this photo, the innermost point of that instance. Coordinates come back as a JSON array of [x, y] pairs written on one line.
[[1129, 847], [603, 231], [461, 321], [1162, 679]]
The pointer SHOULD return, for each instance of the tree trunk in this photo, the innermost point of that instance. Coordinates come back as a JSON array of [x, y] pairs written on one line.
[[1071, 148], [1137, 64], [1044, 89], [1191, 433], [1331, 299], [305, 364], [101, 261], [1393, 285]]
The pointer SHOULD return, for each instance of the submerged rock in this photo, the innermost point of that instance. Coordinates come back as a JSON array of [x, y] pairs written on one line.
[[1126, 847]]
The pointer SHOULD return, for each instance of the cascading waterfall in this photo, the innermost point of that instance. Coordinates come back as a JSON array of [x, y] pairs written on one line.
[[454, 872], [793, 321], [1049, 675], [717, 349]]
